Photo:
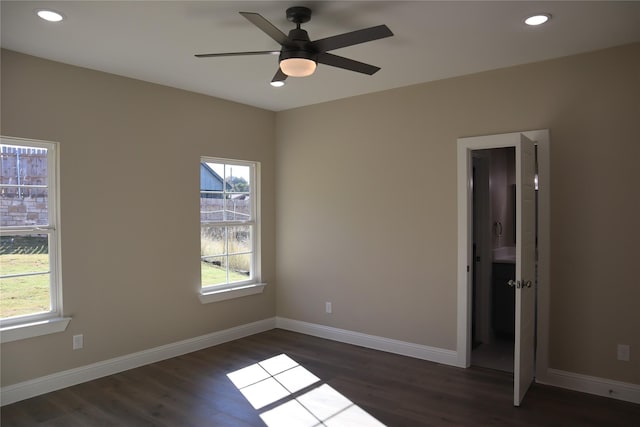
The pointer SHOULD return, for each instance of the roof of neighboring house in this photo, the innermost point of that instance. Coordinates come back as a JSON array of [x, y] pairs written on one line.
[[210, 180]]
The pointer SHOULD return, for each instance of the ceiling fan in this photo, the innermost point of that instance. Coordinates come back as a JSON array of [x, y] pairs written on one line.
[[299, 55]]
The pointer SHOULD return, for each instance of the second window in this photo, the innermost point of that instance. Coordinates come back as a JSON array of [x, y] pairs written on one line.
[[227, 223]]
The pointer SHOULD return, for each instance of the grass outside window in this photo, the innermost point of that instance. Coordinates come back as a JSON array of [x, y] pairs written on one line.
[[25, 294]]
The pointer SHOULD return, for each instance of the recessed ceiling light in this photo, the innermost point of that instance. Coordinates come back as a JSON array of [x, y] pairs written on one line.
[[50, 15], [277, 84], [538, 19]]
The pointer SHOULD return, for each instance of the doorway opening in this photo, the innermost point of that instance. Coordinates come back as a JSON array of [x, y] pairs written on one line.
[[494, 238], [531, 329]]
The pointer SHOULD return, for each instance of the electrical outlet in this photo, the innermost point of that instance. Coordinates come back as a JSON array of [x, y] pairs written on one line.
[[328, 308], [624, 352], [78, 342]]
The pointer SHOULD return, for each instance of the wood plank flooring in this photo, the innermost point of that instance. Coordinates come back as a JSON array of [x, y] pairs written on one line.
[[194, 390]]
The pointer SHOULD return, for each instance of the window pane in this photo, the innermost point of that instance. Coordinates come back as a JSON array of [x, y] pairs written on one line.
[[26, 258], [24, 254], [211, 177], [213, 271], [24, 295], [239, 267], [211, 209], [24, 179], [239, 239], [23, 165], [238, 208], [238, 179], [212, 241], [24, 206]]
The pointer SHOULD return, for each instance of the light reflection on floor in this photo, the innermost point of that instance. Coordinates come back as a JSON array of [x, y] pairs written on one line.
[[278, 378]]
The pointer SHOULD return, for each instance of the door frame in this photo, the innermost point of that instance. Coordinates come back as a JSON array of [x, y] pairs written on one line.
[[465, 241]]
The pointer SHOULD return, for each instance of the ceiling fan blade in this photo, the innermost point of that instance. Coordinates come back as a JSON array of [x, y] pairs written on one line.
[[279, 76], [266, 26], [354, 37], [213, 55], [346, 63]]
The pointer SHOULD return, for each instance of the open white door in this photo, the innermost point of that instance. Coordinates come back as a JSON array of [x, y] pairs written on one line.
[[525, 281]]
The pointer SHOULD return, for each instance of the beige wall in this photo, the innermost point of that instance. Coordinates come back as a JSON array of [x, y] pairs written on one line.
[[367, 204], [129, 154]]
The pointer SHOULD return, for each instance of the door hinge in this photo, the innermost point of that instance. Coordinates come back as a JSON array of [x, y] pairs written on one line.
[[467, 268]]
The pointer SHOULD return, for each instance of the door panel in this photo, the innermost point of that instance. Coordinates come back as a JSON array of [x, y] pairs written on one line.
[[524, 359]]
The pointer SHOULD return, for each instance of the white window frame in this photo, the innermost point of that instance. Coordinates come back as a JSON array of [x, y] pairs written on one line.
[[28, 326], [253, 284]]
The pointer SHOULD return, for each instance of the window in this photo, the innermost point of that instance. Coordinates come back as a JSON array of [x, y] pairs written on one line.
[[29, 274], [228, 228]]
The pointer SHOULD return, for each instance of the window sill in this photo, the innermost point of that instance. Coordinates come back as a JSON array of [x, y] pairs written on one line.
[[34, 329], [226, 294]]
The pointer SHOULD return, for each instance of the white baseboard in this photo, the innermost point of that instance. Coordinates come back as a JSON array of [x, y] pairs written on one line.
[[433, 354], [35, 387], [569, 380], [593, 385], [24, 390]]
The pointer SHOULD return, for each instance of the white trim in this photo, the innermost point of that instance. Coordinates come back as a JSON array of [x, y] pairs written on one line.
[[215, 293], [544, 253], [418, 351], [52, 230], [35, 387], [593, 385], [465, 146], [464, 256], [231, 293], [23, 331]]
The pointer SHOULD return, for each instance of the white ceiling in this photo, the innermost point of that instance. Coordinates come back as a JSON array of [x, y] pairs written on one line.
[[155, 41]]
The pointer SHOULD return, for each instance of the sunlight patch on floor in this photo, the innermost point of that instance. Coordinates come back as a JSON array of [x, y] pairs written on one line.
[[278, 378]]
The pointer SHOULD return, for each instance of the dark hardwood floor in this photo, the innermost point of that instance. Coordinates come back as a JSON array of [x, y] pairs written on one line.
[[194, 390]]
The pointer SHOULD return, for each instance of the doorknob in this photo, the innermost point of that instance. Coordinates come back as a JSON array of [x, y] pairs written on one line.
[[518, 284]]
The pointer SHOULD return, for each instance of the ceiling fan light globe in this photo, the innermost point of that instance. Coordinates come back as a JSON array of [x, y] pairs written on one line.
[[298, 67]]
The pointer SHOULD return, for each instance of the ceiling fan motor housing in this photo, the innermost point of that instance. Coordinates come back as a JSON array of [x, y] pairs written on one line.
[[300, 46], [299, 37]]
